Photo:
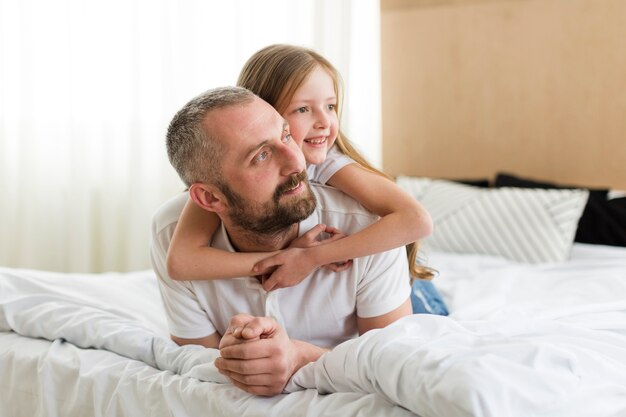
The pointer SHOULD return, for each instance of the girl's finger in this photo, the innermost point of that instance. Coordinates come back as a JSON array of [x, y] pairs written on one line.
[[269, 284], [267, 264], [338, 266], [315, 231], [332, 230]]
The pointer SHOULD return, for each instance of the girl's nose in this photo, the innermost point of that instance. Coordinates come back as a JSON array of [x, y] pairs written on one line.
[[321, 120]]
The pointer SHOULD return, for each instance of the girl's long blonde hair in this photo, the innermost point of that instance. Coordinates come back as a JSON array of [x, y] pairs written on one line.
[[275, 72]]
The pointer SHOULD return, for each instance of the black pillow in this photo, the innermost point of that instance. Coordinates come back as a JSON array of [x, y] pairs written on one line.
[[484, 183], [603, 221]]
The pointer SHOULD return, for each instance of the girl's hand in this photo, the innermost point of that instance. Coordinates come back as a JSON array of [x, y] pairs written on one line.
[[339, 266], [335, 234], [294, 264]]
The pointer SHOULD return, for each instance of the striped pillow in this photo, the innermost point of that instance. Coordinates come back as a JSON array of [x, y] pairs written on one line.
[[523, 225]]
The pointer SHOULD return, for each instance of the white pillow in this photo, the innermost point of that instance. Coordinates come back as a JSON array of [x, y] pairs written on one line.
[[520, 224]]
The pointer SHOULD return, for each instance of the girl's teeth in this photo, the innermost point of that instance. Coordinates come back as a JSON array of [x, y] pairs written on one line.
[[316, 141]]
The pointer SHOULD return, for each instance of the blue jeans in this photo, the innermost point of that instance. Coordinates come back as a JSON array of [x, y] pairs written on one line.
[[425, 299]]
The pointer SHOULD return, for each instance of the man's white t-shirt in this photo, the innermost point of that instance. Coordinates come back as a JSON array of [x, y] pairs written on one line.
[[322, 309]]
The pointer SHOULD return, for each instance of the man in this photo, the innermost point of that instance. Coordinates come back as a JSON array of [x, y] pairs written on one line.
[[235, 153]]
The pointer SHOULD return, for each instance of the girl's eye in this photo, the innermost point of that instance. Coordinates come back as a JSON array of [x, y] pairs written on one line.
[[262, 156], [332, 106], [303, 109], [287, 137]]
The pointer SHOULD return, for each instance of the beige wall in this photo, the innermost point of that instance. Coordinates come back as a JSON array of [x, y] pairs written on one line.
[[534, 87]]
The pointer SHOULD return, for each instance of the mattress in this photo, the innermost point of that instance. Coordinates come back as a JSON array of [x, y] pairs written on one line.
[[544, 339]]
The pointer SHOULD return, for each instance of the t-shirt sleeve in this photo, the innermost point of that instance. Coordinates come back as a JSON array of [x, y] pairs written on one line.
[[384, 285], [185, 316], [335, 160]]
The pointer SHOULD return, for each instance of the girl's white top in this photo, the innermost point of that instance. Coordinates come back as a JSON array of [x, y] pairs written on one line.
[[335, 160]]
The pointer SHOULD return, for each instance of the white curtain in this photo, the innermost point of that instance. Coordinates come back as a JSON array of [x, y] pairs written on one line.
[[86, 92]]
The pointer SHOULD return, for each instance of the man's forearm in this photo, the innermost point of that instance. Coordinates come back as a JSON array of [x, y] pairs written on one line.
[[211, 341], [307, 353]]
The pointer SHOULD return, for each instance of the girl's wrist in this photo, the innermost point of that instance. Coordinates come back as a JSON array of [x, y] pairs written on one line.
[[316, 255]]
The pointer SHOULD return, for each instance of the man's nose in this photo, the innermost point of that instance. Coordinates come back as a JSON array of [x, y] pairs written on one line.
[[292, 159]]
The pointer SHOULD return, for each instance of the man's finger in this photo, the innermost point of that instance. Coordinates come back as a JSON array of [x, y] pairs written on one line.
[[229, 339], [242, 328], [238, 321], [254, 350], [255, 379], [247, 367], [257, 328]]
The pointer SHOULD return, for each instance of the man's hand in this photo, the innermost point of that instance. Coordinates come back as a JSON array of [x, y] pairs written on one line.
[[257, 355], [294, 264]]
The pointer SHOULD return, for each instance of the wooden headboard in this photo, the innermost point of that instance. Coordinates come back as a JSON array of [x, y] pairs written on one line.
[[532, 87]]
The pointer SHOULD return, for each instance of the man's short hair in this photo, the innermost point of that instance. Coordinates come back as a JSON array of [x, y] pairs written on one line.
[[192, 151]]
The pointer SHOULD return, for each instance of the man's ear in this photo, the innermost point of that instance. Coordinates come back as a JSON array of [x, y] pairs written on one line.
[[207, 197]]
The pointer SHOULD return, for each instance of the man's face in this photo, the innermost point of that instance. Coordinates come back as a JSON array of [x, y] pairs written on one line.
[[272, 216], [263, 170]]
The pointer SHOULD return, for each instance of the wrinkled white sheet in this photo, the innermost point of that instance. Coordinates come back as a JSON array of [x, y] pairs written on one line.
[[119, 360], [435, 366], [56, 307], [547, 340], [521, 340]]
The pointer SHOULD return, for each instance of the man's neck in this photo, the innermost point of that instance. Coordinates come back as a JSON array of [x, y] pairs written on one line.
[[245, 241]]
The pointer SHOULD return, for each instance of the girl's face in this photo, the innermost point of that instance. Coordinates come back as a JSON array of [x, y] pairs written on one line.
[[312, 115]]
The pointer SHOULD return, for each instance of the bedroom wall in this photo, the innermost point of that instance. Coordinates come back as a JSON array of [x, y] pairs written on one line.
[[534, 87]]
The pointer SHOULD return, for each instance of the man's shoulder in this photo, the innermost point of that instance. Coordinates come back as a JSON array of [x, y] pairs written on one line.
[[168, 213], [338, 209], [330, 198]]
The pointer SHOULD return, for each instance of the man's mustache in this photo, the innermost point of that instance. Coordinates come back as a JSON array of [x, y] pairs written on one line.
[[292, 182]]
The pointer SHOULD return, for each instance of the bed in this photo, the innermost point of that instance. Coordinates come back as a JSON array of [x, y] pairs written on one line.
[[525, 336]]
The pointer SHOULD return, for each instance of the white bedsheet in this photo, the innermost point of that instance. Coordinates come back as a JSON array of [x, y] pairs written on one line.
[[546, 340], [119, 360], [435, 366], [490, 288], [521, 340]]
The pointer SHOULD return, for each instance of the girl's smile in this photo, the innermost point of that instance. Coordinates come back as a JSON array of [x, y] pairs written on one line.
[[317, 141]]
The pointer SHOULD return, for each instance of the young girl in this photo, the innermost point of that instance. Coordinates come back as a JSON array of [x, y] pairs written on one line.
[[304, 88]]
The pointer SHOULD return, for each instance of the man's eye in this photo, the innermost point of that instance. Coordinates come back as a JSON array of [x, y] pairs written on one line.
[[262, 156]]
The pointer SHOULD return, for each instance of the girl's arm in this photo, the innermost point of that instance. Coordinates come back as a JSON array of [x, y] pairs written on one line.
[[190, 257], [403, 221]]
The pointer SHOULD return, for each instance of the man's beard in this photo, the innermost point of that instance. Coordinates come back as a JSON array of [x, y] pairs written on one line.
[[272, 217]]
